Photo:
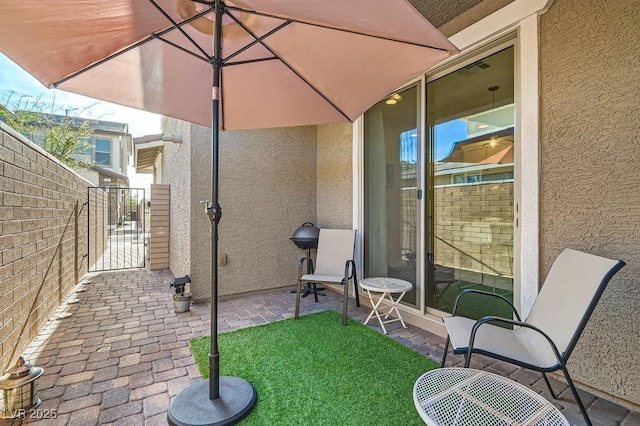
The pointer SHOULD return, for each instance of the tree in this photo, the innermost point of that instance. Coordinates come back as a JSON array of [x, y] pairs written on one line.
[[62, 135]]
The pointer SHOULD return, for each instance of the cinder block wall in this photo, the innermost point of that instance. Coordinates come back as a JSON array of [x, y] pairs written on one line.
[[98, 227], [43, 239], [474, 227]]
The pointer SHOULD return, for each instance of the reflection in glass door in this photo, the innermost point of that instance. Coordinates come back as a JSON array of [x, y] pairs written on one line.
[[470, 185], [391, 177]]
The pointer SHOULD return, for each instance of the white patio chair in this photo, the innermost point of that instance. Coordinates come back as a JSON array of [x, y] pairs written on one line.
[[334, 265], [546, 339]]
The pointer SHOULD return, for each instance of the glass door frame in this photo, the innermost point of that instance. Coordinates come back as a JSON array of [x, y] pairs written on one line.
[[453, 66], [421, 307], [518, 21], [358, 179]]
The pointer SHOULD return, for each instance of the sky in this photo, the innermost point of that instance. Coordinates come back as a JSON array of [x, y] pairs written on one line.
[[15, 79]]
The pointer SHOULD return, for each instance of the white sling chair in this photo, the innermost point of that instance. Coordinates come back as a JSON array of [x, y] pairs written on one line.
[[546, 339], [334, 265]]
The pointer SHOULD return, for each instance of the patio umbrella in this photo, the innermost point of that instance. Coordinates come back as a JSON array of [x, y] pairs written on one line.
[[238, 64]]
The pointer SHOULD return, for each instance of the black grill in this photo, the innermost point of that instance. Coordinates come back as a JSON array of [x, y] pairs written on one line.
[[306, 236]]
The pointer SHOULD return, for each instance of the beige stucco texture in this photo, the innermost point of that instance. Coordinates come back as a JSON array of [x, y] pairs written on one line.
[[335, 176], [176, 166], [590, 157], [267, 190]]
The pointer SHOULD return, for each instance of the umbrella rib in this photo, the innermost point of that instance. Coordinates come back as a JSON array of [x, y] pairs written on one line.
[[315, 89], [179, 28], [177, 46], [256, 41], [129, 48], [314, 24], [251, 61]]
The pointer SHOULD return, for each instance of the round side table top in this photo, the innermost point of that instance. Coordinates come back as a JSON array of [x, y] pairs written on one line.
[[463, 396], [386, 284]]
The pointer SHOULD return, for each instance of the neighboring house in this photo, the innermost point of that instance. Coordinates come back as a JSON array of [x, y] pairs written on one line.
[[478, 174], [109, 150]]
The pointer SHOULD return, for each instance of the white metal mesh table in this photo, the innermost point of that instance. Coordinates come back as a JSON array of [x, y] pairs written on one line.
[[386, 286], [463, 396]]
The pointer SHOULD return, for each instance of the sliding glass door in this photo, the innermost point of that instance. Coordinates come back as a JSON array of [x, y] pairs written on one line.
[[391, 183], [470, 184], [460, 234]]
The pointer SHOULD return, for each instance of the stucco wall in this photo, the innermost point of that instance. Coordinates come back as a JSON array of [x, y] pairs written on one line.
[[590, 156], [267, 190], [335, 176], [176, 171], [470, 15], [200, 182]]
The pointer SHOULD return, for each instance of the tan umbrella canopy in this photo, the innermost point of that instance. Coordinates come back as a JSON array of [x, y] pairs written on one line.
[[238, 64], [314, 61]]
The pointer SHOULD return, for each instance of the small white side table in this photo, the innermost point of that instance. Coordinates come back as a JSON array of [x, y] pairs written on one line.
[[386, 286]]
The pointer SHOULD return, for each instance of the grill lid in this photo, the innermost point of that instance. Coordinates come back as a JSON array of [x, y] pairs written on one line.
[[306, 236], [308, 231]]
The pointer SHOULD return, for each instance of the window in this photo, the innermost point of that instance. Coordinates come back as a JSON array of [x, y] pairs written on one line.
[[96, 151], [102, 152]]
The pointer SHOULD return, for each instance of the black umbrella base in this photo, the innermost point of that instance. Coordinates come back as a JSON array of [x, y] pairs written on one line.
[[192, 406]]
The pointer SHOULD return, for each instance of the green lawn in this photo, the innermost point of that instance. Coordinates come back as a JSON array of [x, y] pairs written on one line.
[[314, 371]]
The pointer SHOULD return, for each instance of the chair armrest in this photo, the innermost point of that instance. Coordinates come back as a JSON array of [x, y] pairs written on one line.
[[349, 269], [484, 293], [301, 265], [489, 319]]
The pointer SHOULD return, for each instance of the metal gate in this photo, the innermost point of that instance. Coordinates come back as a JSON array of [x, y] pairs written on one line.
[[117, 237]]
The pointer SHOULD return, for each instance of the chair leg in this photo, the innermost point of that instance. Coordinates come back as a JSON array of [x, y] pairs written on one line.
[[546, 379], [345, 302], [298, 300], [467, 359], [574, 391], [355, 287], [444, 355]]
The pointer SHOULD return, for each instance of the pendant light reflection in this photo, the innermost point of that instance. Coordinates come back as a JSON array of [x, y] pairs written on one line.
[[494, 140], [393, 99]]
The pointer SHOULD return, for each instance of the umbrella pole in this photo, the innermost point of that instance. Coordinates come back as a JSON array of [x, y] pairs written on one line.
[[229, 399], [214, 212]]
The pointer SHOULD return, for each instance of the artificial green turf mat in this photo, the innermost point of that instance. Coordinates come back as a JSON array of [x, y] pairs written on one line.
[[476, 306], [315, 371]]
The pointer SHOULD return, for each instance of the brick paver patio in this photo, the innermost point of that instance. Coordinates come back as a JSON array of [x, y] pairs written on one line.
[[122, 354]]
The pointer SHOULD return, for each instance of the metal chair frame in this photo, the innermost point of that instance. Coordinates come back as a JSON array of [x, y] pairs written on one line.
[[350, 273], [561, 358]]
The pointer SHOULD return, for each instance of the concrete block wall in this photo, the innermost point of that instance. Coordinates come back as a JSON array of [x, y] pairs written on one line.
[[474, 227], [98, 228], [43, 239]]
